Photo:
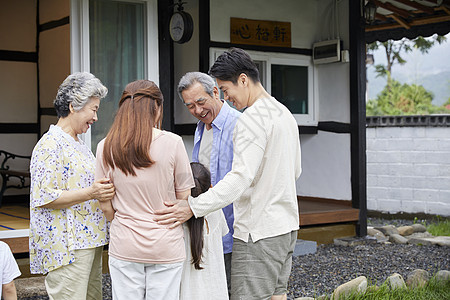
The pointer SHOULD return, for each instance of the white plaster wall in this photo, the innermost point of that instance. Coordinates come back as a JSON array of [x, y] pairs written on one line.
[[54, 62], [188, 141], [408, 170], [325, 156], [18, 30], [51, 10], [302, 15], [18, 83], [186, 60], [18, 80], [18, 87], [46, 121], [326, 166]]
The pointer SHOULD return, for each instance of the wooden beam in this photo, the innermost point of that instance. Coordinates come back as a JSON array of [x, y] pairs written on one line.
[[444, 8], [430, 20], [432, 1], [418, 6], [380, 17], [416, 22], [402, 12], [400, 21]]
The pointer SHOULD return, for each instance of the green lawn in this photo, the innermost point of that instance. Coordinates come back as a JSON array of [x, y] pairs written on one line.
[[432, 291], [439, 227]]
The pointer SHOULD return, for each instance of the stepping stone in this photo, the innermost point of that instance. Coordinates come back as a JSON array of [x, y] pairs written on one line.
[[357, 285], [303, 247]]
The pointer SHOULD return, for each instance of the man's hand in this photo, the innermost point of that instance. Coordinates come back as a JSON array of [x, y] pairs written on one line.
[[176, 213]]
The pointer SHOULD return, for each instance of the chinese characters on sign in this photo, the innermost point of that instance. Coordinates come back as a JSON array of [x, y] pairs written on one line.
[[258, 32]]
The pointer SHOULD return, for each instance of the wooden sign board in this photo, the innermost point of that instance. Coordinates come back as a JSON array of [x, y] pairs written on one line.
[[260, 32]]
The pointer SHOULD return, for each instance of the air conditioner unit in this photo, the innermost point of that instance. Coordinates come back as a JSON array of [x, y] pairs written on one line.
[[327, 51]]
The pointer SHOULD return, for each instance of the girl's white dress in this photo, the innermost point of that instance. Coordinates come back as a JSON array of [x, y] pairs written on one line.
[[210, 282]]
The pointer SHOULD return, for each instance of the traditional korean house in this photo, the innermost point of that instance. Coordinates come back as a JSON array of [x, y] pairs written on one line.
[[311, 55]]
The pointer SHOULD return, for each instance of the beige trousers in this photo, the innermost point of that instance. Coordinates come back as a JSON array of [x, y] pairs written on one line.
[[79, 280]]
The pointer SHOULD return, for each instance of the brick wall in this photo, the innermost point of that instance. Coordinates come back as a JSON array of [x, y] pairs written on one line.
[[408, 164]]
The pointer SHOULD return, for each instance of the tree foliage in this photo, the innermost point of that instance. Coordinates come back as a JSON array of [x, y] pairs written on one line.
[[397, 98], [403, 99], [395, 49]]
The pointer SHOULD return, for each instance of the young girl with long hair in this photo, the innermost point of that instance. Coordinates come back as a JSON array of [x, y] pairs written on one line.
[[204, 274], [147, 166]]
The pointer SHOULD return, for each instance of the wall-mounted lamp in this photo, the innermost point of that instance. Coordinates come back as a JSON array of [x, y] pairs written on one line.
[[370, 9]]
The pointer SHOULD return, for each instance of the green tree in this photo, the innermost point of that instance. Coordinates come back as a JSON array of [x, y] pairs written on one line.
[[395, 49], [401, 99], [446, 106], [398, 99]]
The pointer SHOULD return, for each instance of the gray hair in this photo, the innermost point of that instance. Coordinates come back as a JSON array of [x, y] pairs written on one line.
[[191, 78], [77, 89]]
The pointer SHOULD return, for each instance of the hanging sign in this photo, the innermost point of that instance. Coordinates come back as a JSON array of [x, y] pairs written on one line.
[[260, 32]]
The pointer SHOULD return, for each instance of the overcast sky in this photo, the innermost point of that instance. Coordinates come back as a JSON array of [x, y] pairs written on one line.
[[437, 60]]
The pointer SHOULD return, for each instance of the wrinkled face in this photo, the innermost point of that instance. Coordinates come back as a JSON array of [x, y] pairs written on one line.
[[81, 120], [200, 104], [234, 92]]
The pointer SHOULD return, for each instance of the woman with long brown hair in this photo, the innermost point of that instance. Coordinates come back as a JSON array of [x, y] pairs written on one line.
[[147, 166]]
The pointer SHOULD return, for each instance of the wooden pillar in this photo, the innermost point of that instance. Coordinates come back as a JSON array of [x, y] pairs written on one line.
[[358, 113], [204, 35], [166, 78]]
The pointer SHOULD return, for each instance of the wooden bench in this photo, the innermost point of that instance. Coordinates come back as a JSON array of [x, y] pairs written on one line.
[[8, 173]]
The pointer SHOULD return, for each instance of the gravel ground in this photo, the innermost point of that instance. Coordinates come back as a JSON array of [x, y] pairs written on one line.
[[320, 273]]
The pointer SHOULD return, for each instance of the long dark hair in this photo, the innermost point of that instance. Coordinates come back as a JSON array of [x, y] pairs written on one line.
[[128, 141], [202, 179]]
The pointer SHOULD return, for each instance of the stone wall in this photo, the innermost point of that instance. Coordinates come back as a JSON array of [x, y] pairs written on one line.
[[408, 164]]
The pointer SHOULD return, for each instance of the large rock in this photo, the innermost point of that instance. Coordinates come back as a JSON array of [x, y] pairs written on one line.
[[398, 239], [304, 298], [442, 241], [381, 238], [357, 285], [405, 230], [421, 241], [395, 281], [378, 235], [419, 228], [442, 276], [353, 241], [425, 234], [388, 229], [372, 231], [437, 240], [417, 278]]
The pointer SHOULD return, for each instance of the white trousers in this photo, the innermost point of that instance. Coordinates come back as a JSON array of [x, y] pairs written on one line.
[[139, 281]]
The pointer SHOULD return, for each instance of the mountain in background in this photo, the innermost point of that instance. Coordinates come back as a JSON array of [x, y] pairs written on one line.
[[431, 70], [438, 84]]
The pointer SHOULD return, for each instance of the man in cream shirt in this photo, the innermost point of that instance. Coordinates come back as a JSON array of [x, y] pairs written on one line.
[[261, 184]]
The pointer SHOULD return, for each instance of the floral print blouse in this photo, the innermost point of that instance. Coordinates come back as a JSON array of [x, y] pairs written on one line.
[[59, 163]]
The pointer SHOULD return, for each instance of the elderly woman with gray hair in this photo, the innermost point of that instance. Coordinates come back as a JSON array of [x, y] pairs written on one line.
[[67, 227]]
